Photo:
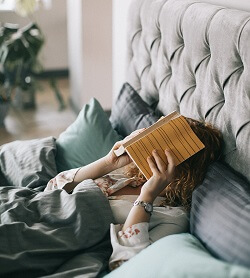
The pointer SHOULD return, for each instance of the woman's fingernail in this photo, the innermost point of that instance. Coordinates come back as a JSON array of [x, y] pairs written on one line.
[[154, 151]]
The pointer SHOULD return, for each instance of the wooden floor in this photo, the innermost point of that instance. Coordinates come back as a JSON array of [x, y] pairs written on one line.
[[45, 120]]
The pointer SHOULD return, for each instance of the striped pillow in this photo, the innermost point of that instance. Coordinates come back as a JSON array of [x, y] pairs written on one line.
[[28, 163], [220, 215], [130, 112]]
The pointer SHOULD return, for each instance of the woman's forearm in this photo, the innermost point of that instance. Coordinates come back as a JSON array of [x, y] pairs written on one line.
[[162, 176], [102, 166], [138, 214], [93, 170]]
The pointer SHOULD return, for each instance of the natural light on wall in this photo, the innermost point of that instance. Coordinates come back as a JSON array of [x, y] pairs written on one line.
[[23, 7]]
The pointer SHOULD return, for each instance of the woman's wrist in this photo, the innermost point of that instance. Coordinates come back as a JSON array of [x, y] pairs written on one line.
[[146, 197]]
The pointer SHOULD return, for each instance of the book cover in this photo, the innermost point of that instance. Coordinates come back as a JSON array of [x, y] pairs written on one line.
[[171, 132]]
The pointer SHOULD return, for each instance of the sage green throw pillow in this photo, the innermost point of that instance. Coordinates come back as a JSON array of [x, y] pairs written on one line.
[[178, 256], [87, 139]]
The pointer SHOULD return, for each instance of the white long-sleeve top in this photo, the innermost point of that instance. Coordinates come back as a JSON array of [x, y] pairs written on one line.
[[165, 220]]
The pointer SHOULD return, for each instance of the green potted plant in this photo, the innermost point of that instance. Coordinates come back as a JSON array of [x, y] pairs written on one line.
[[19, 63], [19, 49]]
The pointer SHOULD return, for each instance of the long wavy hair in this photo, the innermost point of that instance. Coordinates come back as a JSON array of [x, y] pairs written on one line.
[[190, 173]]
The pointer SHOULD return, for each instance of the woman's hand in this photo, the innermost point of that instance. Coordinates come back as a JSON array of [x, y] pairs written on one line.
[[163, 174], [124, 159]]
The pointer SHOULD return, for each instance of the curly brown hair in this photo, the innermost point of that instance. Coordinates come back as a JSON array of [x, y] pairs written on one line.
[[190, 173]]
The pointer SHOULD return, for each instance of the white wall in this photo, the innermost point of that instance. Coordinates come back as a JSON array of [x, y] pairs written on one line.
[[119, 44], [97, 50], [75, 50], [53, 23], [90, 51]]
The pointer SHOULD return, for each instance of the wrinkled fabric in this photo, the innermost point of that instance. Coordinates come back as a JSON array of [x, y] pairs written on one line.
[[41, 231]]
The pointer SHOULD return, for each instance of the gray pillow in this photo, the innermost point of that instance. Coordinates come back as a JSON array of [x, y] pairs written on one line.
[[29, 163], [220, 215], [130, 112]]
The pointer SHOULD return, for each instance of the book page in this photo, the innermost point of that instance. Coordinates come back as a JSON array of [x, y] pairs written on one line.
[[175, 135]]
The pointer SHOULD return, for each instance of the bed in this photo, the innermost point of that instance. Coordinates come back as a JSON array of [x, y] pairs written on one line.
[[183, 55]]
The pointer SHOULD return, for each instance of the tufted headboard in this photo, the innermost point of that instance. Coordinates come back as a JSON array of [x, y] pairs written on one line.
[[194, 57]]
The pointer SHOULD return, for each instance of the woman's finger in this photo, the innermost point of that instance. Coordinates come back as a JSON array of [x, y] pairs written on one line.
[[162, 166], [152, 165], [117, 145], [171, 165]]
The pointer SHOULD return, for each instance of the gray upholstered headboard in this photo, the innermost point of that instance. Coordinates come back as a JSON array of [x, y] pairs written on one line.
[[195, 58]]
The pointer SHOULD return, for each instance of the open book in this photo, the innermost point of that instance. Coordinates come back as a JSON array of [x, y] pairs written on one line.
[[171, 132]]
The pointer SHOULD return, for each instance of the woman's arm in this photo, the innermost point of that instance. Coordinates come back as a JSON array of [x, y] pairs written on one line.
[[102, 166], [162, 176], [134, 235]]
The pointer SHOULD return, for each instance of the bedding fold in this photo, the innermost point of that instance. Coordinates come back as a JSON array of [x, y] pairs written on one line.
[[41, 231]]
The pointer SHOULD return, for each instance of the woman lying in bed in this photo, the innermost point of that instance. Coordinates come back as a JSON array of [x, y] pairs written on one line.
[[146, 211]]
